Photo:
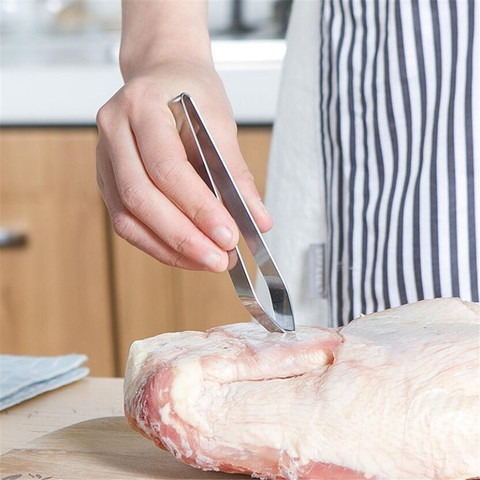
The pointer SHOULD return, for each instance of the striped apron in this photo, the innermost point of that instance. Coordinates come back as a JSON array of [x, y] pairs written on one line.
[[389, 91]]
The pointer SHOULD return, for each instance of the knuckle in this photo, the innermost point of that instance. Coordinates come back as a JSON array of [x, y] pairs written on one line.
[[183, 244], [201, 211], [125, 227], [176, 261], [102, 118], [167, 173], [123, 102], [132, 197], [122, 225]]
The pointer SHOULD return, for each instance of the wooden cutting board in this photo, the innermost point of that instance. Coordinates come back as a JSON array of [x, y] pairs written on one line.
[[103, 448]]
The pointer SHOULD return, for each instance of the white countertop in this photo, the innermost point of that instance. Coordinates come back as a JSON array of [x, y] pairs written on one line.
[[47, 90]]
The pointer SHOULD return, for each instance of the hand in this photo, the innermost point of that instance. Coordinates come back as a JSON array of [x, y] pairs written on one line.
[[156, 200]]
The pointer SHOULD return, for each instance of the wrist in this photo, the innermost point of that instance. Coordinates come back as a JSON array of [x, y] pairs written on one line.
[[136, 58], [163, 31]]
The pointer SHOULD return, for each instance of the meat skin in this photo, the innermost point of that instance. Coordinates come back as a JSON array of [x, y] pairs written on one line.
[[393, 395]]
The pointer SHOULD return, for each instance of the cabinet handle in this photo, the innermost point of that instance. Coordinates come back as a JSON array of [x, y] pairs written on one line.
[[12, 239]]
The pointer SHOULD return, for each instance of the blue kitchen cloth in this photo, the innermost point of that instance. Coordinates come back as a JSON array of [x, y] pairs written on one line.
[[24, 377]]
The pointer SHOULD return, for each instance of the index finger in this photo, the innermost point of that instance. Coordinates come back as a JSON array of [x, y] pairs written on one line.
[[166, 163]]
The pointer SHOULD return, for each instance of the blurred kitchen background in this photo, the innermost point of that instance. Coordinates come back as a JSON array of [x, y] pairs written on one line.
[[67, 283]]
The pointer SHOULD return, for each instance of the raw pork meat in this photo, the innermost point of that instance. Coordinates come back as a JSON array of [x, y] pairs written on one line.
[[393, 395]]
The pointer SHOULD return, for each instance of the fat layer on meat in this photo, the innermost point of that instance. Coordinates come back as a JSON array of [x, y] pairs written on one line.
[[393, 395]]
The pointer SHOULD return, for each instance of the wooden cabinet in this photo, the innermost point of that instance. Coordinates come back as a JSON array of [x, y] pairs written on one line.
[[55, 288], [75, 286]]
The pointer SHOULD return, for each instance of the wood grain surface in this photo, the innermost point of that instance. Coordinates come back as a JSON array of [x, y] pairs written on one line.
[[77, 402], [102, 448], [54, 290]]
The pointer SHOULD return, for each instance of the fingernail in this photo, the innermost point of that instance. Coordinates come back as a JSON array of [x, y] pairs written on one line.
[[213, 261], [222, 236]]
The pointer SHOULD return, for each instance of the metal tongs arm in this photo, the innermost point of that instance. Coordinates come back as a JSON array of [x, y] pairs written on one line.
[[207, 161]]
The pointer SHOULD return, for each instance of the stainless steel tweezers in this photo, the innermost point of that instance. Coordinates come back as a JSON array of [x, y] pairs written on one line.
[[207, 161]]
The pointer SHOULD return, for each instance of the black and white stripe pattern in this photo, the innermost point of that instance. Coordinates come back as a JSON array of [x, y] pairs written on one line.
[[399, 105]]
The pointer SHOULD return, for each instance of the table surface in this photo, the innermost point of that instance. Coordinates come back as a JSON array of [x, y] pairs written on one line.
[[86, 399]]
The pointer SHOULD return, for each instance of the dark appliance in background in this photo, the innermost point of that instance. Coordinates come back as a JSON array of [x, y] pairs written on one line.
[[239, 27]]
